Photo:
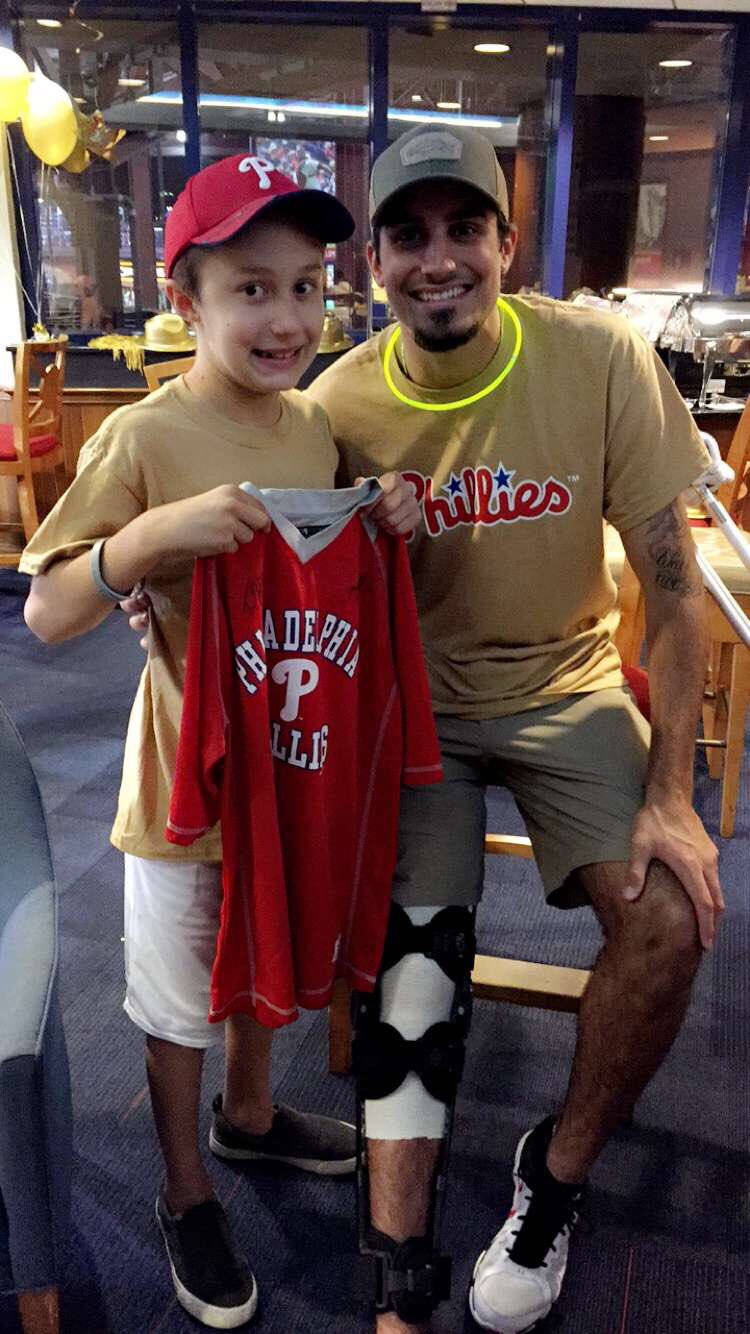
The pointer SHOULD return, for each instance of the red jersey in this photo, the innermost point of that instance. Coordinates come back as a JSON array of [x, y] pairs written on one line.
[[306, 706]]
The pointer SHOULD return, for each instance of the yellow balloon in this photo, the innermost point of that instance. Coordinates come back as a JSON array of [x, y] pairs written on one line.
[[49, 123], [78, 160], [14, 83]]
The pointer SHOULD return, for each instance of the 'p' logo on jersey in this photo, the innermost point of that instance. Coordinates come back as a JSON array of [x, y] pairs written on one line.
[[300, 677], [261, 166]]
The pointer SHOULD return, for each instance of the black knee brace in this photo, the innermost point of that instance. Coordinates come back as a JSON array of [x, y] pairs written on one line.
[[412, 1277], [382, 1058]]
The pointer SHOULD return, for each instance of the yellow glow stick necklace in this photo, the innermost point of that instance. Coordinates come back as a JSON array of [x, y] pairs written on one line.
[[503, 307]]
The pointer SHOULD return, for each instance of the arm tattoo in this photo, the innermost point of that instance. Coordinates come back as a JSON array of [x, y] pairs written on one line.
[[666, 549]]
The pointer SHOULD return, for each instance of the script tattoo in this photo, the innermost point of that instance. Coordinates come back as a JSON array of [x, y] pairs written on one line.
[[666, 549]]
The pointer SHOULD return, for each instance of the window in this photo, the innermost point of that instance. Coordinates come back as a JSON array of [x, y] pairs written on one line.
[[494, 78], [298, 95], [101, 230], [743, 277], [649, 124]]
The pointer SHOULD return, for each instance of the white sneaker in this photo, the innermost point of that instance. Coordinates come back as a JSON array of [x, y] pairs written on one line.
[[519, 1277]]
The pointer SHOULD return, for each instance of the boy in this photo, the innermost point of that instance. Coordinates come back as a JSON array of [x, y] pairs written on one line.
[[157, 486]]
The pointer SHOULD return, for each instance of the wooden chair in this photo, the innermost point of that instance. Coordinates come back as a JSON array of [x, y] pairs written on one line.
[[727, 698], [517, 981], [737, 499], [32, 442], [548, 986], [159, 371]]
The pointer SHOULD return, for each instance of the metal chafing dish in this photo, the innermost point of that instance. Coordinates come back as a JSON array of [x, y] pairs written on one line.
[[714, 332]]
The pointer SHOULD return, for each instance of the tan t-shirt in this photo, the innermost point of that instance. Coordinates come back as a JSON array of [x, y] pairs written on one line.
[[516, 602], [170, 447]]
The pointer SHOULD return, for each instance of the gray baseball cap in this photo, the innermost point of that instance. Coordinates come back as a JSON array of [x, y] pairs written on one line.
[[438, 152]]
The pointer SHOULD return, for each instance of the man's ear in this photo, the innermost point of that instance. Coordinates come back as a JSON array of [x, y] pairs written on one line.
[[508, 248], [181, 303], [374, 263]]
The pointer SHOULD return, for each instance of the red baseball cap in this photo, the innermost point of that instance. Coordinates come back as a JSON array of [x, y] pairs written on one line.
[[218, 201]]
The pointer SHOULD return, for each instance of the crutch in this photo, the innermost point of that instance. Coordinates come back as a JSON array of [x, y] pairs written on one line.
[[714, 476]]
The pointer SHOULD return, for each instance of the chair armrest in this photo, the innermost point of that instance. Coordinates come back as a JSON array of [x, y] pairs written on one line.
[[28, 962]]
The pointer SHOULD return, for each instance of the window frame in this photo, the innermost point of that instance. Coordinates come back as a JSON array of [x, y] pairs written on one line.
[[565, 25]]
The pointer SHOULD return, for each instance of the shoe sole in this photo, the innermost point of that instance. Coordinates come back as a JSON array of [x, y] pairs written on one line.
[[496, 1329], [214, 1317], [320, 1166]]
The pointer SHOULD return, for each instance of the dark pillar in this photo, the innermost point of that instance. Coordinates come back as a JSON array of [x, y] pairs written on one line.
[[525, 195], [609, 146], [351, 189], [145, 287]]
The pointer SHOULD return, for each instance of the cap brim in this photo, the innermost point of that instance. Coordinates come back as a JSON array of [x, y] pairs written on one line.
[[317, 212], [186, 345], [453, 178]]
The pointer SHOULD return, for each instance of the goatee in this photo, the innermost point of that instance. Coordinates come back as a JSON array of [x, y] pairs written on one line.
[[444, 342]]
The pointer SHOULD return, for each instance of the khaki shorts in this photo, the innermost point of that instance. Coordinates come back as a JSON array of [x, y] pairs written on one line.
[[576, 769]]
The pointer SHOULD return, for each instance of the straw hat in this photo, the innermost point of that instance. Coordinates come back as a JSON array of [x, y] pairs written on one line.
[[167, 332], [333, 338]]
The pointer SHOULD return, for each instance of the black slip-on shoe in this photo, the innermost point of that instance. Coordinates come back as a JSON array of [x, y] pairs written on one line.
[[212, 1282], [319, 1144]]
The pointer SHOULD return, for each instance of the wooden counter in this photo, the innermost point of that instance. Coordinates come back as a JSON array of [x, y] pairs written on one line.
[[86, 406], [721, 425], [84, 410]]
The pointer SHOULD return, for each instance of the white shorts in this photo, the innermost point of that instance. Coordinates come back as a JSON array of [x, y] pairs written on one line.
[[171, 922]]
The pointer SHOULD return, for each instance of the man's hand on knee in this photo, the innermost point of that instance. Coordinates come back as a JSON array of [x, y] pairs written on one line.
[[671, 832]]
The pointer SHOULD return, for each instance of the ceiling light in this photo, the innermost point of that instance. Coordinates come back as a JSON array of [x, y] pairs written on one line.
[[132, 83], [449, 106], [492, 48], [658, 138], [272, 116], [168, 97], [49, 23], [181, 136], [280, 116], [417, 97], [675, 64]]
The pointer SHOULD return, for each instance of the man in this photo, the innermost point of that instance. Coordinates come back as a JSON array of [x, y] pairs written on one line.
[[522, 423]]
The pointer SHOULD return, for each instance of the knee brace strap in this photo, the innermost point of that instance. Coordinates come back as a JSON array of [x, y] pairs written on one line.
[[448, 938], [382, 1058], [410, 1277]]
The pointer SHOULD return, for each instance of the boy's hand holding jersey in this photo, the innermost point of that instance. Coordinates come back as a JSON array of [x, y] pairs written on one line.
[[211, 523], [223, 519]]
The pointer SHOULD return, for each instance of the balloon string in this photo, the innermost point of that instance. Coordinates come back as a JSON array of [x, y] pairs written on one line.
[[34, 304], [43, 183]]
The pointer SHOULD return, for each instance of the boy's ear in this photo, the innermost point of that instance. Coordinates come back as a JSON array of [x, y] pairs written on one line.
[[181, 302]]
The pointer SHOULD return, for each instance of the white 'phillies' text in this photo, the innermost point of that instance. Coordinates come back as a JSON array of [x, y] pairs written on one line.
[[298, 631]]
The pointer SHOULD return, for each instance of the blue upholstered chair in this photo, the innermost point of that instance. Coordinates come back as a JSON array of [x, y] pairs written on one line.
[[35, 1109]]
